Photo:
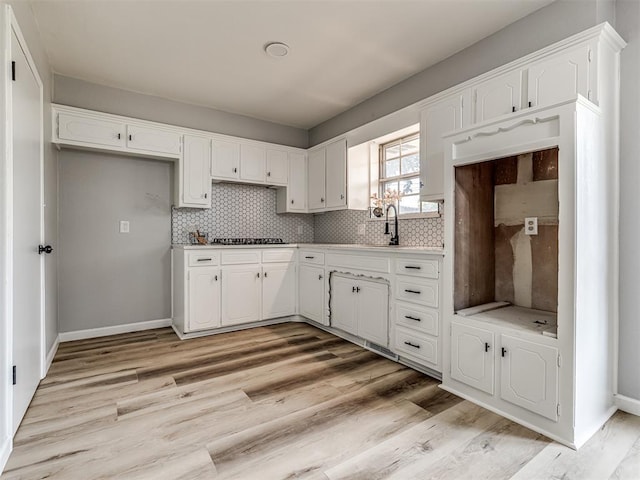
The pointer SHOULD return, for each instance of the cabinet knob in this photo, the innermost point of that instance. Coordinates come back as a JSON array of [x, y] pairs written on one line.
[[291, 202], [265, 275], [119, 136], [130, 137], [530, 104], [258, 275], [321, 200], [319, 277], [353, 289], [504, 352], [341, 196], [513, 109], [235, 170], [205, 195], [486, 347], [215, 277], [268, 174]]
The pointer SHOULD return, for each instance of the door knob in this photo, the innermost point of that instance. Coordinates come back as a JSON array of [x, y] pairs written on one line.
[[44, 249]]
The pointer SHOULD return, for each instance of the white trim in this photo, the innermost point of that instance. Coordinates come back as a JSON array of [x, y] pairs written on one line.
[[51, 354], [627, 404], [113, 330], [5, 451]]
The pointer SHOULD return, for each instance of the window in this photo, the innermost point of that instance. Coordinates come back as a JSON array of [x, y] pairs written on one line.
[[400, 176]]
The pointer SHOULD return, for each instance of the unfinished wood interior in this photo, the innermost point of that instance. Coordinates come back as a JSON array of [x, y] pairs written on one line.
[[495, 259]]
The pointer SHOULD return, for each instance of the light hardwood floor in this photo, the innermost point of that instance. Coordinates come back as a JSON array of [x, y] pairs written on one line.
[[281, 402]]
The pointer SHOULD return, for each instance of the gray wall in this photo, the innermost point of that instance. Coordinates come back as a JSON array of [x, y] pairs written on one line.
[[628, 25], [107, 278], [78, 93], [29, 29]]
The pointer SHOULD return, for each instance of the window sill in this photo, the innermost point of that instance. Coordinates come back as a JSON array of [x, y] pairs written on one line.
[[407, 216]]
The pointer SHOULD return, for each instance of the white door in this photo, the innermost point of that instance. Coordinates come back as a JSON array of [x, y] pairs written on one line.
[[336, 179], [79, 128], [253, 163], [196, 183], [225, 159], [316, 179], [311, 292], [343, 304], [204, 299], [278, 290], [153, 140], [560, 78], [498, 96], [529, 375], [241, 287], [297, 187], [472, 357], [27, 231], [277, 167], [373, 311]]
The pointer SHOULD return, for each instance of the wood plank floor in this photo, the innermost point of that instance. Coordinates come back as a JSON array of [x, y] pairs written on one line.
[[282, 402]]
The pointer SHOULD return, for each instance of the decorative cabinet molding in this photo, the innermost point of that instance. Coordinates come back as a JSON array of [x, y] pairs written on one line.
[[81, 129]]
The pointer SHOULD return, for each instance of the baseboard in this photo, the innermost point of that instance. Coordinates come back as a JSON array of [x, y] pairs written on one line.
[[51, 354], [114, 330], [627, 404], [5, 451]]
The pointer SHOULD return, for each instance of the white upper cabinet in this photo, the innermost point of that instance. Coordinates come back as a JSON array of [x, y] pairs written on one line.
[[150, 139], [451, 113], [498, 96], [91, 131], [293, 198], [317, 176], [225, 159], [253, 163], [277, 167], [561, 77], [195, 182], [336, 174]]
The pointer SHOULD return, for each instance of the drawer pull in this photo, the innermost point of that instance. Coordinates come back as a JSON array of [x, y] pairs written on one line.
[[486, 347], [319, 277], [412, 267], [412, 318], [310, 258], [412, 344], [205, 259], [417, 292]]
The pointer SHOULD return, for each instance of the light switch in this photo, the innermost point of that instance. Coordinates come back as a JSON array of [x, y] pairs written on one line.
[[362, 229], [124, 226], [531, 226]]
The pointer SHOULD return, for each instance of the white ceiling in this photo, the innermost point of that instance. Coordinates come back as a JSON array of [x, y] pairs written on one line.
[[210, 52]]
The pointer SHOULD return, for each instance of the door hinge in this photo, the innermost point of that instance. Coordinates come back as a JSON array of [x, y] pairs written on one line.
[[15, 375], [589, 55], [13, 71], [559, 360]]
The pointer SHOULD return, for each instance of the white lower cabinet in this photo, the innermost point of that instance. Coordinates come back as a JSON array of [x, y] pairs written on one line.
[[203, 299], [241, 294], [360, 307], [278, 290], [528, 370], [311, 292]]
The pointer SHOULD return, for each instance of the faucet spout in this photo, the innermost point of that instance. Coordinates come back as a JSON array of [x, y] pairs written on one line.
[[395, 238]]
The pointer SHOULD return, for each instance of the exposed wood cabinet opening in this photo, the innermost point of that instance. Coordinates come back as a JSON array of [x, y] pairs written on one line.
[[495, 259]]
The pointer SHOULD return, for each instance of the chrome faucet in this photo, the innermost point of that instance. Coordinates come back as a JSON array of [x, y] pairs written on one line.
[[395, 239]]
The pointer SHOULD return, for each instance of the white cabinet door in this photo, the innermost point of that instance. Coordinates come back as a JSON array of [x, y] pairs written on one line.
[[472, 357], [529, 376], [297, 186], [336, 174], [311, 292], [253, 163], [225, 160], [445, 116], [343, 304], [277, 167], [498, 96], [241, 294], [316, 179], [373, 311], [196, 183], [203, 299], [278, 290], [151, 139], [89, 130], [560, 77]]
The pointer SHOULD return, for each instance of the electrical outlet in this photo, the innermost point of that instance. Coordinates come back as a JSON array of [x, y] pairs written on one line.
[[531, 226], [362, 229], [124, 226], [300, 230]]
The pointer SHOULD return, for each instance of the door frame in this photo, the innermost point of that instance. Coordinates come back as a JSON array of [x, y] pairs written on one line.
[[9, 25]]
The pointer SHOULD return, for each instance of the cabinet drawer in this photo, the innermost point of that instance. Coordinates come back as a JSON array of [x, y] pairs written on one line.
[[239, 257], [307, 256], [417, 268], [417, 345], [359, 262], [417, 290], [278, 255], [420, 318], [201, 259]]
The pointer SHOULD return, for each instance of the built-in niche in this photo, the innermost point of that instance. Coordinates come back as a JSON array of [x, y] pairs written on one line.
[[501, 272]]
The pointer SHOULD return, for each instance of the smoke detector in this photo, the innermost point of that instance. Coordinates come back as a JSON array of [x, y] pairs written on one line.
[[276, 49]]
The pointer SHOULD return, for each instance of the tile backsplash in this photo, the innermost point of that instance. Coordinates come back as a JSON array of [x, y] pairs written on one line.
[[241, 211], [342, 227], [250, 211]]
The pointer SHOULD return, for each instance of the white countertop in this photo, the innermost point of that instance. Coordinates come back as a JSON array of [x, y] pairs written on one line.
[[326, 246]]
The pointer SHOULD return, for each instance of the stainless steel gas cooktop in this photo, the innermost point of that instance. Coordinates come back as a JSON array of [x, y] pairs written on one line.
[[247, 241]]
